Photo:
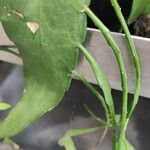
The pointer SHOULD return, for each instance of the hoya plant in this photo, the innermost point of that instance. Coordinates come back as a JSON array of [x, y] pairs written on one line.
[[49, 35]]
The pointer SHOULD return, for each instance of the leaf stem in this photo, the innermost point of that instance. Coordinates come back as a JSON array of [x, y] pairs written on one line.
[[104, 84], [124, 80], [106, 33], [6, 49], [136, 62], [135, 56], [67, 141], [102, 81], [94, 115], [94, 91]]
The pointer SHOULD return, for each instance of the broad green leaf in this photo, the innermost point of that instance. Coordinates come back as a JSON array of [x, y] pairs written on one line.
[[47, 33], [79, 4], [4, 106], [139, 7]]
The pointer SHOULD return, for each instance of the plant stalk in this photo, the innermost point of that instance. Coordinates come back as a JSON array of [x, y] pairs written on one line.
[[124, 80], [136, 62], [104, 84]]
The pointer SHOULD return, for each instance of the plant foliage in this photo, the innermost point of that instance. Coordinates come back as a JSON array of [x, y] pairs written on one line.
[[139, 7], [46, 33]]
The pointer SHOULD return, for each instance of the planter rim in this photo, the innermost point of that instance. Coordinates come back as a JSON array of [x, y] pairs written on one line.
[[99, 48]]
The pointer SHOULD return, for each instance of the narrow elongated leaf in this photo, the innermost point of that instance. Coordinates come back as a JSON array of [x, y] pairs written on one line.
[[4, 106], [139, 7], [67, 141], [46, 33]]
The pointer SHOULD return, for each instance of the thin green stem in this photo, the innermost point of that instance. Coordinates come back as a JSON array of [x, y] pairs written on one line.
[[104, 84], [136, 62], [81, 132], [94, 115], [124, 81], [102, 81], [94, 91], [106, 33], [68, 143]]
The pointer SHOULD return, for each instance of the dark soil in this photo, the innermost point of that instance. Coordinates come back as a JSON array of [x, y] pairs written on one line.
[[104, 10]]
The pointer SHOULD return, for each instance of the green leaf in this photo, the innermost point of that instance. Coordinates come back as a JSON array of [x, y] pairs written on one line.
[[3, 13], [47, 34], [4, 106], [67, 142], [93, 115], [139, 7], [125, 145], [79, 4]]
